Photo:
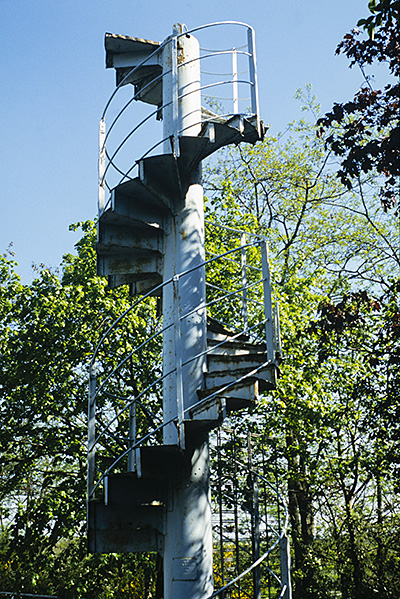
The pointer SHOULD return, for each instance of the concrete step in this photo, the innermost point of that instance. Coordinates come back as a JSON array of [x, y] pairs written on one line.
[[112, 236], [233, 362], [265, 377], [234, 347], [125, 528]]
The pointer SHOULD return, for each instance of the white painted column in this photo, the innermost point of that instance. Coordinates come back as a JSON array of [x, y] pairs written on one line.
[[184, 244], [188, 572]]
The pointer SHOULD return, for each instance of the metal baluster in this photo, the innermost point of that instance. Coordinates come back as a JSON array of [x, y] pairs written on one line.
[[221, 523], [269, 333], [253, 76], [235, 93], [91, 435], [244, 281], [178, 361], [236, 516], [266, 520], [255, 522], [102, 167], [132, 437]]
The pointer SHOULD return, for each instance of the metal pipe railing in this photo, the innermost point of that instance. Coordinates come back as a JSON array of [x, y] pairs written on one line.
[[233, 81], [95, 390]]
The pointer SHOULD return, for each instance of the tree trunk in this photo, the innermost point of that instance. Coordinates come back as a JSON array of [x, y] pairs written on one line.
[[302, 522]]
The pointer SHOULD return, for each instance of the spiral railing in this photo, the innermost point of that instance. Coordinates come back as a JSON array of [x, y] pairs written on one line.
[[159, 383], [125, 395], [228, 92], [246, 498], [125, 408]]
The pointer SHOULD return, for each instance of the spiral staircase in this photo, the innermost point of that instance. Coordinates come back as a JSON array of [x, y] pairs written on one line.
[[133, 467]]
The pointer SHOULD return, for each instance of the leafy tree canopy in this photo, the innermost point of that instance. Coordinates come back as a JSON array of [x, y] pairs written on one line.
[[365, 132]]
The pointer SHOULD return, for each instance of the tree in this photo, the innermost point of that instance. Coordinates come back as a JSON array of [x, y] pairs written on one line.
[[358, 494], [48, 333], [365, 132], [325, 242]]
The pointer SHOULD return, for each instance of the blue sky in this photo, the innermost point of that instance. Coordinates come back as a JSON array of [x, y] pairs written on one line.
[[54, 88]]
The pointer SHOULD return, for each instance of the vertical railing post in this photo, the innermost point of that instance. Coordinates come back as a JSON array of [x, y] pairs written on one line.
[[91, 434], [277, 331], [284, 547], [253, 76], [132, 437], [221, 517], [269, 332], [236, 515], [255, 523], [102, 167], [235, 92], [178, 362], [244, 281], [175, 93]]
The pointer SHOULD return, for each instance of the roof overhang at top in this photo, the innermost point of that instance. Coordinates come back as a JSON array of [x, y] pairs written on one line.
[[124, 53], [123, 47]]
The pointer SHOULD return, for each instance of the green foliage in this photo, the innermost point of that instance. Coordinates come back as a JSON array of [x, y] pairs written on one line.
[[48, 333], [364, 133], [333, 422]]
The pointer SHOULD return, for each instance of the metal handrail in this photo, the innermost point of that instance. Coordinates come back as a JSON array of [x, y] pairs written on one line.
[[264, 556], [129, 402], [162, 285], [174, 419], [92, 399], [251, 80], [241, 292]]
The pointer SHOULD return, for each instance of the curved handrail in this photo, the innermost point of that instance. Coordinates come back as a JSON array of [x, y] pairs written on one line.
[[245, 468], [163, 284], [217, 24], [112, 415], [140, 442], [129, 401], [110, 157], [153, 429]]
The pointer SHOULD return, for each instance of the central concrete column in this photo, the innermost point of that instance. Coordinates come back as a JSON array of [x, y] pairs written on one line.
[[188, 568]]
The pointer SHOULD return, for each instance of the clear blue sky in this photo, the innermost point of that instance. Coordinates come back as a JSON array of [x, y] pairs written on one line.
[[54, 87]]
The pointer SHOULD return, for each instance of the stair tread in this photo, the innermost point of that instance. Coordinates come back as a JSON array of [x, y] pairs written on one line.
[[122, 235], [257, 358], [139, 193], [236, 344], [111, 248], [126, 221], [121, 529], [126, 488], [215, 327], [195, 149], [160, 461], [240, 371], [161, 175], [266, 379]]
